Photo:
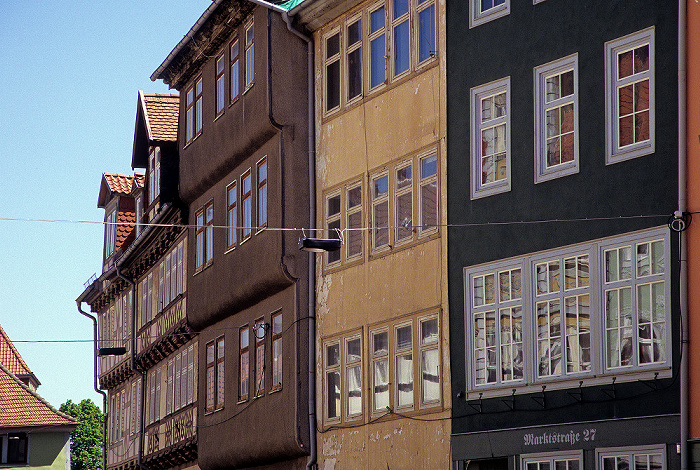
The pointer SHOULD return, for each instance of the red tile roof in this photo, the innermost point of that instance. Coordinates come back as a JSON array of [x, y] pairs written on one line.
[[162, 112], [139, 180], [20, 407], [10, 358], [119, 183], [125, 219]]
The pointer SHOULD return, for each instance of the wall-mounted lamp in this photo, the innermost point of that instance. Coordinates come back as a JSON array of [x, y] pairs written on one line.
[[319, 245], [116, 351]]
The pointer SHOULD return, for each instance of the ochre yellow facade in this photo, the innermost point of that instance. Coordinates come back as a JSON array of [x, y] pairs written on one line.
[[402, 285]]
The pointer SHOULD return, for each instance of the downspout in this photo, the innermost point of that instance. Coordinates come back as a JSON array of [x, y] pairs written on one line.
[[311, 464], [682, 206], [132, 364], [95, 385]]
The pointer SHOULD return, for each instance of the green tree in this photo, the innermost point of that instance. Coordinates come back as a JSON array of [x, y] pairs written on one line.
[[86, 439]]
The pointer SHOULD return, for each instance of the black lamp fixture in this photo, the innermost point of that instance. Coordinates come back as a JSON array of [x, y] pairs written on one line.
[[115, 351], [319, 245]]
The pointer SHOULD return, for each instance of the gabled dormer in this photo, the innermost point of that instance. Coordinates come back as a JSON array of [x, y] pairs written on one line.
[[118, 202], [155, 150]]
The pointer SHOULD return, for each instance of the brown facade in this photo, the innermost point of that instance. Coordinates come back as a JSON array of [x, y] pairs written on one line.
[[244, 176]]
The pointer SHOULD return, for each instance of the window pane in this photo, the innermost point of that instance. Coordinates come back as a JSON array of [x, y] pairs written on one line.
[[400, 8], [355, 73], [354, 352], [426, 33], [381, 385], [377, 60], [333, 398], [430, 363], [485, 347], [354, 390], [404, 378], [429, 331], [511, 343], [332, 355], [332, 85], [402, 48], [380, 343], [404, 338]]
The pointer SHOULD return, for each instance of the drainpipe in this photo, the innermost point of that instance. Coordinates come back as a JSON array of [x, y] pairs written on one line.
[[311, 464], [682, 206], [95, 385], [132, 364]]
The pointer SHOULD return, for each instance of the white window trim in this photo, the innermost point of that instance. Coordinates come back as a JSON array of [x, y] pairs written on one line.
[[479, 190], [541, 73], [346, 51], [329, 60], [249, 81], [477, 17], [551, 456], [613, 152], [614, 451], [599, 374]]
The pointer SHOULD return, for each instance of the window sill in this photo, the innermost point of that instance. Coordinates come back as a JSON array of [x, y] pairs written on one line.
[[574, 382]]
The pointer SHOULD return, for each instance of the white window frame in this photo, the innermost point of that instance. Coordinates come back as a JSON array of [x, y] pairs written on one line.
[[111, 231], [599, 373], [349, 49], [394, 23], [478, 17], [477, 94], [550, 458], [220, 84], [541, 74], [602, 453], [329, 60], [613, 152]]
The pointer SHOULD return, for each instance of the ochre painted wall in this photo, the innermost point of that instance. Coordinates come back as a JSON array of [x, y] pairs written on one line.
[[401, 121]]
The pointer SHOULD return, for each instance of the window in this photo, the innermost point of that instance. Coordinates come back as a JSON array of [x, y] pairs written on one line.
[[171, 275], [405, 364], [277, 351], [591, 309], [350, 219], [259, 331], [216, 385], [181, 380], [377, 46], [235, 70], [247, 205], [629, 92], [153, 174], [211, 376], [110, 233], [354, 58], [343, 384], [556, 119], [425, 30], [204, 236], [146, 304], [139, 215], [380, 211], [231, 215], [154, 378], [249, 54], [262, 193], [558, 461], [483, 11], [400, 35], [332, 66], [220, 84], [244, 363], [193, 111], [490, 137], [17, 445], [403, 208], [643, 458]]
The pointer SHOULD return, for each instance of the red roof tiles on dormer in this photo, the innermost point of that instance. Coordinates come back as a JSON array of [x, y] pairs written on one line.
[[161, 116], [113, 183], [21, 407], [10, 358]]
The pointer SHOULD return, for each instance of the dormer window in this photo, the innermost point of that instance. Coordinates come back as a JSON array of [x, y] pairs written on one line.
[[110, 232], [153, 175]]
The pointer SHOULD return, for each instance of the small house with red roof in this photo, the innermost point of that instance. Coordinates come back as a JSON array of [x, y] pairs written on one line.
[[33, 434]]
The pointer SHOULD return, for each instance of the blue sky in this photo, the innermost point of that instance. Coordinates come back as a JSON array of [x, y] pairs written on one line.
[[70, 72]]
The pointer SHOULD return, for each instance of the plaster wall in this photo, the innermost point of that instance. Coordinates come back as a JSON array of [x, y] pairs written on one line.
[[403, 119], [693, 188], [48, 451]]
